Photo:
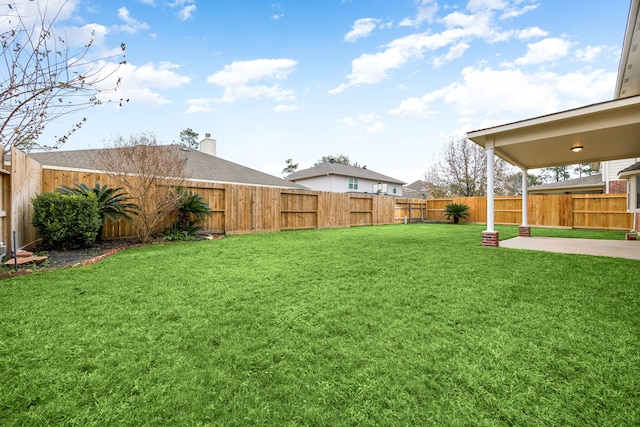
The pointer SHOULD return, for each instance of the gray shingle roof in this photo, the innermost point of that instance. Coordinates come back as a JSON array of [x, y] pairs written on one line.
[[199, 166], [590, 180], [633, 167], [328, 168]]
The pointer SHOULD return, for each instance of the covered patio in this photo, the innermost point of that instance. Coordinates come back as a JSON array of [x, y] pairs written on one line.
[[599, 132]]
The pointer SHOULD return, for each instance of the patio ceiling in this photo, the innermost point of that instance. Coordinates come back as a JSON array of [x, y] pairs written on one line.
[[606, 131]]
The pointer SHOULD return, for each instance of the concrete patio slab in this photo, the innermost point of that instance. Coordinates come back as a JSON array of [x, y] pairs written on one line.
[[612, 248]]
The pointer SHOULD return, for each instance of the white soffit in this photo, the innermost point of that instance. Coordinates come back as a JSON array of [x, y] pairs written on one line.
[[606, 131]]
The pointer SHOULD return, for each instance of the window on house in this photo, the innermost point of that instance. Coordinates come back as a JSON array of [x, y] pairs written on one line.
[[353, 183], [395, 188]]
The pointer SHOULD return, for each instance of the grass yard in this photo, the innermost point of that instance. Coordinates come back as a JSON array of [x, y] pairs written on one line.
[[394, 325]]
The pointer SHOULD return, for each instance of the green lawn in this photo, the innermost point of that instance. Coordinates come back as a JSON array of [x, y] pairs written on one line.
[[400, 325]]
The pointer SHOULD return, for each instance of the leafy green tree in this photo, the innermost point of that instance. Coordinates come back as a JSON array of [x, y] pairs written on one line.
[[290, 168], [340, 158], [554, 174], [189, 138], [456, 211], [583, 169], [113, 203]]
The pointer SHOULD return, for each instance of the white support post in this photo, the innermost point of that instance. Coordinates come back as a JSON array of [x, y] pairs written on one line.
[[525, 199], [490, 190], [490, 236], [525, 230]]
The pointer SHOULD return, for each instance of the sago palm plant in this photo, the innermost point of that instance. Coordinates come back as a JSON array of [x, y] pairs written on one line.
[[113, 203], [456, 211], [191, 211]]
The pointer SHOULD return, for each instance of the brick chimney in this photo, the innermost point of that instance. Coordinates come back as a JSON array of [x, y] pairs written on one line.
[[208, 145]]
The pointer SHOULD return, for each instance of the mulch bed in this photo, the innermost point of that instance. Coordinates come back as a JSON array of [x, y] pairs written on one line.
[[70, 257]]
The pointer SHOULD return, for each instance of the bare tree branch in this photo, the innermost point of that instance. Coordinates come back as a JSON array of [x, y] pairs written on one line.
[[462, 171], [149, 173], [41, 79]]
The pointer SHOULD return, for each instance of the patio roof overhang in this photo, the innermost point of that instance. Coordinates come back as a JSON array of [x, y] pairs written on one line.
[[606, 131]]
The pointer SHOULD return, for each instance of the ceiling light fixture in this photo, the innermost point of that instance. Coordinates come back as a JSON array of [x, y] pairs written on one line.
[[577, 148]]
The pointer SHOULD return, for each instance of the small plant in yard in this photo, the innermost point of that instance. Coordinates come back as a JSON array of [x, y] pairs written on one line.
[[456, 211], [113, 203], [191, 211], [65, 220]]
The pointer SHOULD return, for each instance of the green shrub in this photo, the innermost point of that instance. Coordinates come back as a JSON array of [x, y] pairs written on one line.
[[456, 211], [66, 221], [113, 203]]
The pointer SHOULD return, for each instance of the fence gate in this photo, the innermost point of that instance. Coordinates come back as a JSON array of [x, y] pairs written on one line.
[[298, 211]]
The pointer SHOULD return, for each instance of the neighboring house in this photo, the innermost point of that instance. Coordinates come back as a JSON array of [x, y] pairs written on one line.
[[199, 166], [591, 184], [415, 190], [605, 182], [339, 178], [610, 170]]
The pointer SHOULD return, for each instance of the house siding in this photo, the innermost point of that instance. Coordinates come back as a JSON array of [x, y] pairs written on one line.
[[613, 167], [340, 184]]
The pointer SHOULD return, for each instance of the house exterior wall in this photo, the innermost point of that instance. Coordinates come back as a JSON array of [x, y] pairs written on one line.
[[340, 184], [618, 186], [610, 169]]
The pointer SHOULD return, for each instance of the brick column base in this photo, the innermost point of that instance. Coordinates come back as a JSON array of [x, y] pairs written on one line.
[[525, 231], [490, 238]]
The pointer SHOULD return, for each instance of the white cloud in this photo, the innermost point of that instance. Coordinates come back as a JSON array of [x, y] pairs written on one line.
[[361, 28], [373, 68], [461, 29], [426, 12], [80, 36], [377, 127], [186, 9], [369, 122], [531, 32], [547, 50], [139, 82], [132, 25], [148, 2], [278, 14], [241, 79], [479, 5], [415, 106], [186, 12], [513, 12], [31, 12], [200, 105], [589, 53], [487, 95], [455, 52]]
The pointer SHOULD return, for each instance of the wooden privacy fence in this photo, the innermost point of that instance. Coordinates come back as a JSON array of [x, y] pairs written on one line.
[[241, 209], [594, 211]]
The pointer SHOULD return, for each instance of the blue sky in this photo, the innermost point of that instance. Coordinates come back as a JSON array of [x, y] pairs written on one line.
[[385, 82]]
